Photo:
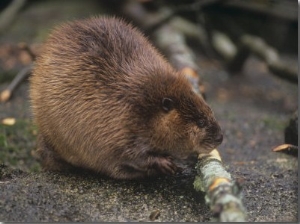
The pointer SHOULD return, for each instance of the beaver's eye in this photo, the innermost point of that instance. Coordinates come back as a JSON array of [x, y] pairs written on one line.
[[167, 104], [201, 123]]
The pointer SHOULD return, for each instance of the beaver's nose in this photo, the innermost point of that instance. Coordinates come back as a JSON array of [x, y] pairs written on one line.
[[219, 138]]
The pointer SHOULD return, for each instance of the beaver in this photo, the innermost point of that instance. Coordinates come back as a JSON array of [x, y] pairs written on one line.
[[104, 99]]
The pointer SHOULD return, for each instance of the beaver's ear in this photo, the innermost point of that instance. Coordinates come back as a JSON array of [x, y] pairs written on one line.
[[167, 104]]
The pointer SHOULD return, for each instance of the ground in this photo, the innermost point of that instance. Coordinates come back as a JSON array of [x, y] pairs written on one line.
[[253, 108]]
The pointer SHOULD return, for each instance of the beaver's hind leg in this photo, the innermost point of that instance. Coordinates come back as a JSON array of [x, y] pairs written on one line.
[[48, 157]]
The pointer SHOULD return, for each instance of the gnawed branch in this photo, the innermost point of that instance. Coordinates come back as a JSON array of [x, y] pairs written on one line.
[[222, 194]]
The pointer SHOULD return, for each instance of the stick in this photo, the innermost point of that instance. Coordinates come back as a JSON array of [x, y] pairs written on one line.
[[222, 194], [258, 47], [23, 74]]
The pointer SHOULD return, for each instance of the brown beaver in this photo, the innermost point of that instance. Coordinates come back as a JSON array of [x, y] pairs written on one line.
[[104, 99]]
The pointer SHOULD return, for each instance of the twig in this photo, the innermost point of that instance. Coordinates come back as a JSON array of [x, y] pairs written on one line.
[[222, 194], [9, 13], [23, 74]]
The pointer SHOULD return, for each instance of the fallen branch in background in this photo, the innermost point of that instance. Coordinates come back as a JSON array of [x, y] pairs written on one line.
[[222, 194], [169, 33], [172, 44], [8, 91], [20, 77], [236, 56]]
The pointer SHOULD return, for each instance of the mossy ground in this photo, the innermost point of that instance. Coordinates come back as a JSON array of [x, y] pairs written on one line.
[[16, 143]]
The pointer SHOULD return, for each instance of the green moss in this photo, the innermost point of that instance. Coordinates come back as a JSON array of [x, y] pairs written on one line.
[[274, 123], [16, 143]]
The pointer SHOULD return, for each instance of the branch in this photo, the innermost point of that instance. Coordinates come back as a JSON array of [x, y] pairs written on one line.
[[222, 194], [23, 74], [172, 44], [236, 56], [169, 36]]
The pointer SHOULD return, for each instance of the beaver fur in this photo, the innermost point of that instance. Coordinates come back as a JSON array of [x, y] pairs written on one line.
[[104, 99]]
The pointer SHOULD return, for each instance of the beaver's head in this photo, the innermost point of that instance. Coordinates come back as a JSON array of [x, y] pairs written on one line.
[[177, 119]]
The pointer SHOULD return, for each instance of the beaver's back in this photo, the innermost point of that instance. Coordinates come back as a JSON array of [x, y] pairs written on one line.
[[81, 84]]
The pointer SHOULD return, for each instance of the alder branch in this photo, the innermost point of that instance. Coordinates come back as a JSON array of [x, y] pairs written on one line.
[[222, 194]]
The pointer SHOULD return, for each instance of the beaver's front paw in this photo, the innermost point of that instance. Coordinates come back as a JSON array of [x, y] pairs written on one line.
[[166, 165]]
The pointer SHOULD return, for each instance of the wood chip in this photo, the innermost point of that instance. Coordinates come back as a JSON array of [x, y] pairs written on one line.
[[9, 121], [5, 95], [285, 147]]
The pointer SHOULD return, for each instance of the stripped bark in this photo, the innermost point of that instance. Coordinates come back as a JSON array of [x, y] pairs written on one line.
[[222, 193]]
